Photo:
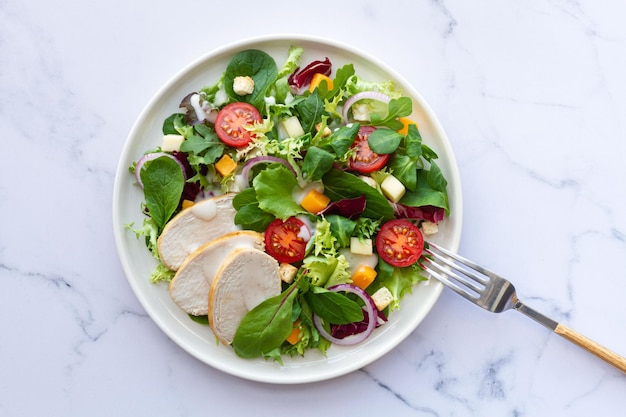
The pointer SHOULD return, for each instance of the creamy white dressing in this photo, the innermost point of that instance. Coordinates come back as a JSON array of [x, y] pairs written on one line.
[[207, 210], [195, 103]]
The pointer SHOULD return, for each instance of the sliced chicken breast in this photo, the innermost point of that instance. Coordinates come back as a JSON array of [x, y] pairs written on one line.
[[191, 285], [245, 279], [195, 226]]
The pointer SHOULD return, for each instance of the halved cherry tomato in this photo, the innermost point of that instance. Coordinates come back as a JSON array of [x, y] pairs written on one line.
[[399, 243], [365, 160], [230, 122], [286, 240]]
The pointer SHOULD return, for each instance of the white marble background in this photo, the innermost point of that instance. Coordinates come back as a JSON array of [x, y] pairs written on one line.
[[532, 95]]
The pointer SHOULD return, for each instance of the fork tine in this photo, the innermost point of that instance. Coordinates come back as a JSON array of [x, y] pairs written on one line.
[[458, 258], [476, 283], [444, 277]]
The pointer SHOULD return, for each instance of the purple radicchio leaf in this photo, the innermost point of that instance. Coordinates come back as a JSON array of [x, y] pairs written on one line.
[[302, 77], [351, 208], [191, 189], [341, 331], [429, 213]]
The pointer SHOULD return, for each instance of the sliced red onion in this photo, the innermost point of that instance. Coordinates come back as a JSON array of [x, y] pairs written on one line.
[[365, 95], [150, 157], [370, 309], [245, 173]]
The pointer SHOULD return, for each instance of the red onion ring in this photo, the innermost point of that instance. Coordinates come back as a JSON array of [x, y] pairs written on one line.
[[150, 157], [371, 95], [370, 309], [260, 160]]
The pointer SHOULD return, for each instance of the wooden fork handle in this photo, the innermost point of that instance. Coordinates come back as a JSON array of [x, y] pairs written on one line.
[[589, 345]]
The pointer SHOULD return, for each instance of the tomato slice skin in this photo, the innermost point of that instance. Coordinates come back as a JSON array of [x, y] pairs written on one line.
[[230, 122], [365, 160], [399, 243], [285, 240]]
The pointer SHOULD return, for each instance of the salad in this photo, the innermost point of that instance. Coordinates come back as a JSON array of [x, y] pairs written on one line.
[[328, 168]]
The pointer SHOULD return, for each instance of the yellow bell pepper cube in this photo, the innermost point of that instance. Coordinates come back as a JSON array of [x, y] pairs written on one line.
[[314, 202], [225, 166], [405, 125], [363, 276], [187, 204], [317, 79], [294, 336]]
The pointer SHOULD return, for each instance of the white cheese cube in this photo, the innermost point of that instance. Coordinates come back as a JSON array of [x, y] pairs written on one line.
[[361, 247], [382, 298], [392, 188], [292, 127], [172, 143], [243, 85]]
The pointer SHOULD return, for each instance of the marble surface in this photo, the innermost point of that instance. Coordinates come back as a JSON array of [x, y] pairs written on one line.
[[532, 95]]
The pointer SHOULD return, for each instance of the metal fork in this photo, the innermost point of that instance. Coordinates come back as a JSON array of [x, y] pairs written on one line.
[[494, 293]]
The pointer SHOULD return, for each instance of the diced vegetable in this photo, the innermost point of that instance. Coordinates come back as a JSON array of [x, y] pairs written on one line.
[[314, 201], [405, 125], [392, 188], [292, 127], [361, 246], [187, 204], [294, 336], [363, 276], [172, 142], [317, 79], [225, 166]]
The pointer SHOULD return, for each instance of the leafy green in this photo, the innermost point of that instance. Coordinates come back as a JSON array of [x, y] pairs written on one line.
[[399, 281], [384, 141], [398, 107], [274, 187], [249, 215], [310, 110], [256, 64], [163, 183], [430, 189], [341, 228], [266, 326], [317, 162], [340, 140], [333, 307], [291, 64], [339, 185]]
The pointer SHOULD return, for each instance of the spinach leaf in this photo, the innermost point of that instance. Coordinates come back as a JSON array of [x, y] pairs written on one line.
[[333, 307], [339, 184], [384, 141], [266, 326], [413, 142], [259, 66], [310, 110], [169, 124], [163, 183], [398, 107], [404, 168], [317, 162], [340, 140], [429, 191], [249, 215]]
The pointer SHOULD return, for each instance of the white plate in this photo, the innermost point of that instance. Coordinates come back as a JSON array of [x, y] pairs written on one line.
[[138, 263]]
